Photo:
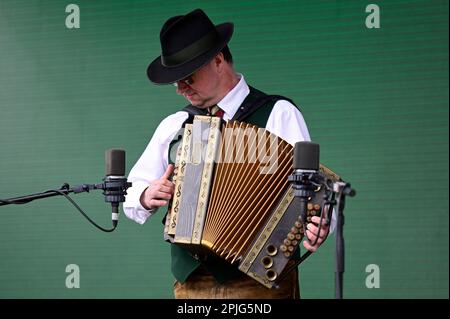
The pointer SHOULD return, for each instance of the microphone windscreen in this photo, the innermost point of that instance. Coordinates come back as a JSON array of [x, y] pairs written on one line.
[[306, 156], [115, 162]]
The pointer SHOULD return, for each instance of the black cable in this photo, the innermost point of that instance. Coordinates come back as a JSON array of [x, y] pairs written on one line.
[[322, 212], [81, 211], [65, 189]]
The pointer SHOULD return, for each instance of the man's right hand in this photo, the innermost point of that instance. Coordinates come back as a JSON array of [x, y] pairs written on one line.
[[159, 191]]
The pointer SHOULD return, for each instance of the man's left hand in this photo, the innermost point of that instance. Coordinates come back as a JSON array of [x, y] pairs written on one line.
[[312, 232]]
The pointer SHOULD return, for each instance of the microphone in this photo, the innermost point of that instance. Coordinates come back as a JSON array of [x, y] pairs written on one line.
[[115, 183], [306, 156], [306, 166]]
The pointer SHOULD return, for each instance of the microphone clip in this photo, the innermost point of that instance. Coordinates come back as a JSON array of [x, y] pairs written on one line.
[[304, 183], [114, 188]]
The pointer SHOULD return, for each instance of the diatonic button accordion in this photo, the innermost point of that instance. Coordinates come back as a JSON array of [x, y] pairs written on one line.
[[233, 199]]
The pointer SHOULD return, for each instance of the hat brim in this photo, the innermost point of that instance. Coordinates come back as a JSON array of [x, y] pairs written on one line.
[[160, 74]]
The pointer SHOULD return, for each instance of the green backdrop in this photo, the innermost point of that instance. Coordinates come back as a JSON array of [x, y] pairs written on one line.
[[375, 99]]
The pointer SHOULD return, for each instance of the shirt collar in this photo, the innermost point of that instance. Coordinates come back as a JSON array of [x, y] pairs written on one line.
[[231, 102]]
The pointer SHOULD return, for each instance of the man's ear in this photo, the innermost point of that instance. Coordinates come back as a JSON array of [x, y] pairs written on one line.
[[219, 61]]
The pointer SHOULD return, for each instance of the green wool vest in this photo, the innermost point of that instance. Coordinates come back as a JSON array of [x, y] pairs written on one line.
[[255, 109]]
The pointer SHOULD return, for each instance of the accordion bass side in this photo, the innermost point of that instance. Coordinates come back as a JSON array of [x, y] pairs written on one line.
[[233, 199]]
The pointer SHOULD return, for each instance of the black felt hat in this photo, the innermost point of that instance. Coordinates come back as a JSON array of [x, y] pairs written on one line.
[[187, 43]]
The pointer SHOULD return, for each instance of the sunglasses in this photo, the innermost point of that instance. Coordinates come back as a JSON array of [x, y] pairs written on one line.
[[186, 81]]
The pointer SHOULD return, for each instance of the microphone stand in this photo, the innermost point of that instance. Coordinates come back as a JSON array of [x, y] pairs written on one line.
[[114, 188], [341, 189], [335, 196], [65, 189]]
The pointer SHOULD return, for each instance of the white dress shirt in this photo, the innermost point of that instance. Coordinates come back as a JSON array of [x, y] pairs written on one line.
[[285, 121]]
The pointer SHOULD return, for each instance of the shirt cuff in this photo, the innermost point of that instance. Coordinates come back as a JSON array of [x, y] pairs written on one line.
[[132, 206]]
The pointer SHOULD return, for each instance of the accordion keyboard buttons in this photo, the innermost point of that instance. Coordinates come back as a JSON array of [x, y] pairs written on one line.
[[297, 231]]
